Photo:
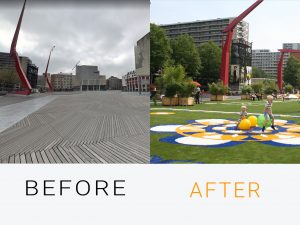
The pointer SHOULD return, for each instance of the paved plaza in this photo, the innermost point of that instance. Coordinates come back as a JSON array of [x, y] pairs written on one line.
[[87, 127]]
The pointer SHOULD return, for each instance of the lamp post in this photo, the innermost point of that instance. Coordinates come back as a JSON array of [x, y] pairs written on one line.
[[46, 72]]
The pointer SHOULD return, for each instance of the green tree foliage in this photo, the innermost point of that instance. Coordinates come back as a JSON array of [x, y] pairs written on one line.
[[185, 53], [291, 73], [257, 88], [8, 77], [270, 87], [160, 48], [258, 73], [218, 88], [210, 56], [288, 88]]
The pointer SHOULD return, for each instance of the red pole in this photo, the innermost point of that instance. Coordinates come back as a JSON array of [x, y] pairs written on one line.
[[226, 58], [13, 52], [226, 48], [46, 72], [279, 76]]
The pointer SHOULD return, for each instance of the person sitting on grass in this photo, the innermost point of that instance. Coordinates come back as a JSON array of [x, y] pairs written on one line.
[[268, 113], [243, 115]]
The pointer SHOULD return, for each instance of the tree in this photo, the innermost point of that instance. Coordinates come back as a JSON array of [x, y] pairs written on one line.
[[160, 48], [258, 73], [291, 73], [185, 54], [210, 56]]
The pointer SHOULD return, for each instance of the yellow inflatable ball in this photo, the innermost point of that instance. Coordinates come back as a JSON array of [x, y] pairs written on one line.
[[245, 124], [253, 121]]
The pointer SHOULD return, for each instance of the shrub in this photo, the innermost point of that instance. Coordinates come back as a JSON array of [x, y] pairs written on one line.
[[172, 89], [186, 89], [246, 90], [288, 88], [257, 88], [218, 88]]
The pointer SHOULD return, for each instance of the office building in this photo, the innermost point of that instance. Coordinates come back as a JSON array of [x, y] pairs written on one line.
[[203, 31], [114, 83], [8, 70], [62, 82], [89, 78]]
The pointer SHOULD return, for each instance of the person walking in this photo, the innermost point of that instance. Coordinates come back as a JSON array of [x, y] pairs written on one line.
[[197, 95]]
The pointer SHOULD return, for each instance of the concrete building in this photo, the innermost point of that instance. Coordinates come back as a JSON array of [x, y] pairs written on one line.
[[89, 78], [114, 83], [7, 69], [268, 61], [62, 82], [130, 82], [203, 31], [295, 46], [142, 63]]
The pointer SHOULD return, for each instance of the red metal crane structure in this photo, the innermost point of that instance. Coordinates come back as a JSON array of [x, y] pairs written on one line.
[[227, 46], [13, 52], [280, 64], [46, 71]]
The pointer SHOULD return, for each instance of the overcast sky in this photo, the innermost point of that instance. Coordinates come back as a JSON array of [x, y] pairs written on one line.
[[272, 23], [96, 33]]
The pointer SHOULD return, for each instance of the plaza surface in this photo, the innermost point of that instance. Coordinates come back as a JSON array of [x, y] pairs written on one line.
[[206, 133], [83, 127]]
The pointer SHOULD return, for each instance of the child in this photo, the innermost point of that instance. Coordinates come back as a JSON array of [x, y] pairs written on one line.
[[268, 112], [243, 115]]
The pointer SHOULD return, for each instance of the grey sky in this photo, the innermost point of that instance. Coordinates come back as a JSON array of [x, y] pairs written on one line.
[[96, 34], [272, 23]]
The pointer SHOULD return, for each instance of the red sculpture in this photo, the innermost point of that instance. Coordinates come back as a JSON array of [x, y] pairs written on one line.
[[226, 48], [46, 72], [13, 52], [280, 64]]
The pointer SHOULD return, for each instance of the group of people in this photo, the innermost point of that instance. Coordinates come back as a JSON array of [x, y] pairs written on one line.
[[267, 113]]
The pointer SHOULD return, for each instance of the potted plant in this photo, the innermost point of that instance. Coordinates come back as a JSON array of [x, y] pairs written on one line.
[[246, 90], [171, 94], [217, 91], [185, 93]]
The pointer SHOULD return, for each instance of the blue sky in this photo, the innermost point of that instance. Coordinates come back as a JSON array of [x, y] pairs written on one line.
[[272, 23]]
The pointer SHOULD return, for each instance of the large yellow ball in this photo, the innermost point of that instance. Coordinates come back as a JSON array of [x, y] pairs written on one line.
[[253, 121], [245, 124]]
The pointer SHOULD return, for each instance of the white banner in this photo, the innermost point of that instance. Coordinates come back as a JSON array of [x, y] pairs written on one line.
[[149, 194]]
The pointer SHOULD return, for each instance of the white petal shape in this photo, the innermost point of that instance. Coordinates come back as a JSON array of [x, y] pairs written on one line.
[[290, 141], [200, 141], [165, 128]]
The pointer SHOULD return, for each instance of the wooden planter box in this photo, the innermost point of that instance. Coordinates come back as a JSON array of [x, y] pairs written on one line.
[[217, 97], [245, 97], [186, 101], [170, 101]]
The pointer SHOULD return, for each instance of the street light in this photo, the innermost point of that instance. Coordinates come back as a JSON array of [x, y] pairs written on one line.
[[46, 72]]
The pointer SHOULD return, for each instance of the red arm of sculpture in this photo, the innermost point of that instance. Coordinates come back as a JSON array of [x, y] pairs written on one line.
[[13, 52]]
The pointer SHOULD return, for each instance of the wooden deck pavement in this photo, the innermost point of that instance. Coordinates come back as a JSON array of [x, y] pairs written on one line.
[[92, 127]]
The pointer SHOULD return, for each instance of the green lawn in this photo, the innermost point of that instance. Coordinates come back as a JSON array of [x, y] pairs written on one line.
[[249, 152]]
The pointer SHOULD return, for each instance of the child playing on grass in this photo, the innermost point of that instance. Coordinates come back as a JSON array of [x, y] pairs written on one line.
[[268, 112], [243, 115]]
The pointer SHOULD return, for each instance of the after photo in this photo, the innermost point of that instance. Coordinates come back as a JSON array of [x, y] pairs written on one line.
[[225, 81]]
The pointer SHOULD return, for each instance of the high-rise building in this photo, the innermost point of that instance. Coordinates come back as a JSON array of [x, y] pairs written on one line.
[[295, 46], [268, 61], [203, 31], [7, 67]]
